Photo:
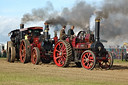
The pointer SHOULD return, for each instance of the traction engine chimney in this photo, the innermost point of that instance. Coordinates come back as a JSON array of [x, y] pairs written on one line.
[[21, 26], [97, 30], [46, 34]]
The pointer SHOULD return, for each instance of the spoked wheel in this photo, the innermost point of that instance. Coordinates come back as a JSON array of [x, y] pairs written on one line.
[[11, 53], [88, 60], [9, 44], [35, 55], [25, 51], [107, 64], [62, 53]]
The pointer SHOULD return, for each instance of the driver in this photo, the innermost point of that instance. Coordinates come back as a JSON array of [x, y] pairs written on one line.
[[62, 33]]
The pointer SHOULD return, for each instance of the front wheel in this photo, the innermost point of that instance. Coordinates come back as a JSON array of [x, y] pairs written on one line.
[[35, 56], [88, 60], [108, 63]]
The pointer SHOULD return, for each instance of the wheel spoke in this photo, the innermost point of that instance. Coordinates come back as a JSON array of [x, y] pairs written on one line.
[[106, 65], [87, 64], [64, 58], [62, 47], [58, 57], [91, 60], [64, 50], [64, 54], [59, 61], [57, 51], [88, 55]]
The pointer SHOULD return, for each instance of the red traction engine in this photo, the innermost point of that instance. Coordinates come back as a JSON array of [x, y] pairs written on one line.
[[84, 50], [37, 46]]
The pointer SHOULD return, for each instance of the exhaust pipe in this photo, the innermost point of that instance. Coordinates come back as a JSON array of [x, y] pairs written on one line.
[[21, 26], [46, 31], [97, 30]]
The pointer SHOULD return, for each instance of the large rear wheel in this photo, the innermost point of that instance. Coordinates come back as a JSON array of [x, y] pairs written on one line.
[[11, 53], [9, 44], [88, 60], [108, 63], [25, 51], [62, 53], [35, 55]]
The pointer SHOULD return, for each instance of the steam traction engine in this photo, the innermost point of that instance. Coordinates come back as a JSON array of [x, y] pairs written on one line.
[[32, 45], [83, 50], [13, 45]]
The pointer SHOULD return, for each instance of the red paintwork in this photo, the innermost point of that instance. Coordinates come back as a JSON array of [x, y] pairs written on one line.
[[33, 56], [59, 54], [22, 52], [34, 28], [78, 43], [36, 43], [105, 64], [55, 39], [87, 60], [87, 37]]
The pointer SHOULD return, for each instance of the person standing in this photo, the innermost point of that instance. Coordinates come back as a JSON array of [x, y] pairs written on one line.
[[71, 32], [26, 36], [62, 33]]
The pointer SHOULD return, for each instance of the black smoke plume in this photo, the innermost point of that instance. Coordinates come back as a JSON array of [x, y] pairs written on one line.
[[113, 7], [78, 15], [114, 15]]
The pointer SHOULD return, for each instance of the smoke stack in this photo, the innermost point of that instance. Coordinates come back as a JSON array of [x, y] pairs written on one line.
[[46, 27], [47, 36], [21, 26], [97, 30]]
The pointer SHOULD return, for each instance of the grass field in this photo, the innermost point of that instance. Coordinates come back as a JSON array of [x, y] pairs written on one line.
[[49, 74]]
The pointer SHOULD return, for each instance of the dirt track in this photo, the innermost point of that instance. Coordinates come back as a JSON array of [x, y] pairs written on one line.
[[50, 74]]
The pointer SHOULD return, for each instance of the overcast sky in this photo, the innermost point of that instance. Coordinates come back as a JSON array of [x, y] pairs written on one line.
[[11, 12]]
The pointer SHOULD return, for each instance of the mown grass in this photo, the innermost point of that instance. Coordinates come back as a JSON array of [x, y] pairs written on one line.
[[27, 79], [28, 74], [118, 61]]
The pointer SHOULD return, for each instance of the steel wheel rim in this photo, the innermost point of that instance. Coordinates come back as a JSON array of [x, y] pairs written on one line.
[[87, 60], [9, 54], [60, 54], [106, 64], [22, 52], [34, 56]]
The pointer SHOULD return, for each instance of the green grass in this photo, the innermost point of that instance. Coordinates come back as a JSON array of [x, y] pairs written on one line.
[[120, 61], [27, 79], [27, 74]]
